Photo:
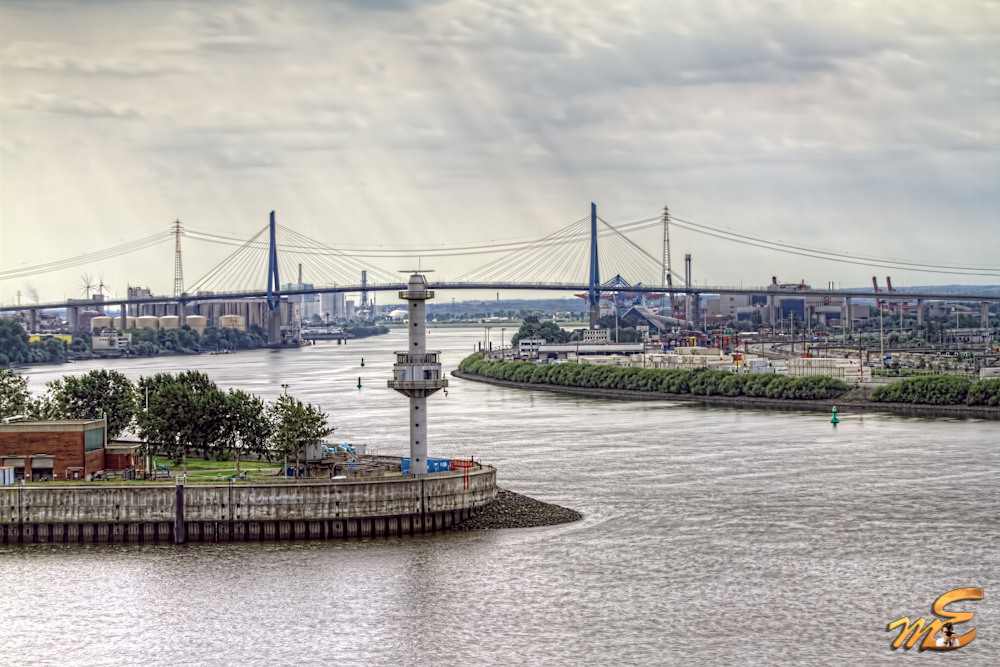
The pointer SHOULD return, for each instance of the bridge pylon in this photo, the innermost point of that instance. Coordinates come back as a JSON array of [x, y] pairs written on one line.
[[273, 290], [595, 271]]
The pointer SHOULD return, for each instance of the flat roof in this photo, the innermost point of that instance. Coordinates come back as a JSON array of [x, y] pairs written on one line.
[[592, 347], [64, 425]]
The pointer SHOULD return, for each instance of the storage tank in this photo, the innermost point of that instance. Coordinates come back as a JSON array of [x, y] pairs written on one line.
[[101, 322], [232, 322], [170, 322], [197, 323], [129, 322], [147, 322]]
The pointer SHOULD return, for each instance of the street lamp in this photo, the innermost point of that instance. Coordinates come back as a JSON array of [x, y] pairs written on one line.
[[285, 387], [502, 330]]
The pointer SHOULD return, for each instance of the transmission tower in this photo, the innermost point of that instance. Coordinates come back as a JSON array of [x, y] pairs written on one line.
[[667, 280], [178, 267]]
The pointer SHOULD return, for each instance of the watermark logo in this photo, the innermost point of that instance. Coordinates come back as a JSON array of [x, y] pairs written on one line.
[[939, 635]]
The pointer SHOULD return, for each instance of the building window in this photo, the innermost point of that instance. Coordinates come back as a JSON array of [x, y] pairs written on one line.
[[93, 439]]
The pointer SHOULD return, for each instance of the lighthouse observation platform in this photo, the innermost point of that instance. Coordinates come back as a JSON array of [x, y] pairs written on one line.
[[279, 509]]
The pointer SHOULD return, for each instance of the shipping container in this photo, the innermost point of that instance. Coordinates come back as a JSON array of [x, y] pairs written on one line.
[[6, 476], [433, 465]]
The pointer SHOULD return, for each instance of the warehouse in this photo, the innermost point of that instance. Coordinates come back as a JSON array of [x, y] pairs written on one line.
[[53, 450]]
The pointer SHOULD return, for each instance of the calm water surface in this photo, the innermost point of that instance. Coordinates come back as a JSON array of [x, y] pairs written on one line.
[[711, 537]]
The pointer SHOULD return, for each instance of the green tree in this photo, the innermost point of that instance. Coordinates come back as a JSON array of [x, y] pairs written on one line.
[[14, 398], [93, 395], [532, 328], [165, 425], [247, 428], [14, 347], [185, 414], [296, 425]]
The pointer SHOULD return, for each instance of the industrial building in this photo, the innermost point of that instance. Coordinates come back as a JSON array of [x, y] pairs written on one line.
[[563, 351], [53, 450]]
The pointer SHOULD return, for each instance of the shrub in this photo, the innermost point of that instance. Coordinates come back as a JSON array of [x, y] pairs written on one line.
[[777, 387], [676, 381], [817, 387], [984, 392], [933, 390], [467, 363], [756, 384], [702, 382]]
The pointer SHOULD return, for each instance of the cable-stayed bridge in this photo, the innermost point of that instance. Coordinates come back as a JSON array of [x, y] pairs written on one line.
[[572, 259]]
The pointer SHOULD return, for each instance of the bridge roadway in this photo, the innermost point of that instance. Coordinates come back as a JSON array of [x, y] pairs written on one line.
[[551, 287]]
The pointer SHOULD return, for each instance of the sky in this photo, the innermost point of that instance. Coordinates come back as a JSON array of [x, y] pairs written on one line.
[[864, 127]]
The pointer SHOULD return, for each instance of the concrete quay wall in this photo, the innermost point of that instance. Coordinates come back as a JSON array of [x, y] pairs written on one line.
[[257, 511]]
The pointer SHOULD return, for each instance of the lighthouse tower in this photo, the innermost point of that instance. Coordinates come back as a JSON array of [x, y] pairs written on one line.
[[417, 372]]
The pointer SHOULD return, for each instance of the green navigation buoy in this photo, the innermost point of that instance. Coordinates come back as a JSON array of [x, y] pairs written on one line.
[[835, 420], [362, 362], [359, 383]]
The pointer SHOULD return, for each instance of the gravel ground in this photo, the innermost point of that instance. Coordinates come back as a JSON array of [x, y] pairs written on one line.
[[512, 510]]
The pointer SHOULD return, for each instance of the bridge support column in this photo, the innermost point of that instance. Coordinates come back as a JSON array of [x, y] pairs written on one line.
[[696, 311], [273, 327], [850, 314], [920, 312], [595, 273], [181, 313], [273, 290], [33, 321], [124, 315], [984, 314]]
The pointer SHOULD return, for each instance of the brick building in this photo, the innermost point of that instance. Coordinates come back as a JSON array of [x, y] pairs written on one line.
[[53, 450], [123, 454]]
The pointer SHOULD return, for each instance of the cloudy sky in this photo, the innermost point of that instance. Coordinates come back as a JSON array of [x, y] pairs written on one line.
[[867, 127]]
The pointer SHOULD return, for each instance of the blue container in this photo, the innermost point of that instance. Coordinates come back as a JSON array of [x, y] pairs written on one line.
[[433, 465]]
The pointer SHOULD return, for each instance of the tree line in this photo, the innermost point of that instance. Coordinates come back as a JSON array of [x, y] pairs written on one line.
[[16, 347], [180, 415], [940, 390], [700, 382]]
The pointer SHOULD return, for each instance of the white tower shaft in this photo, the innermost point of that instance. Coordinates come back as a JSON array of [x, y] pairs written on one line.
[[417, 372]]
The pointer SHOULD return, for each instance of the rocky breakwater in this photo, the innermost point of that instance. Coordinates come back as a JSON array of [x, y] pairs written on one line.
[[512, 510]]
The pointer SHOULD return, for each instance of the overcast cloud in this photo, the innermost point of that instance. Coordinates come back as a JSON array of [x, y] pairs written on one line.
[[866, 127]]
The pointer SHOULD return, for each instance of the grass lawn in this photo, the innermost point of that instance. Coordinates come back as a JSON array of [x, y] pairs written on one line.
[[195, 465], [212, 476]]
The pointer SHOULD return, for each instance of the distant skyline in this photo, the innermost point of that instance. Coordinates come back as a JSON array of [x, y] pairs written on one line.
[[870, 128]]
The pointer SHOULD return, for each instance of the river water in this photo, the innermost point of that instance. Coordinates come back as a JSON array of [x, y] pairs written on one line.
[[711, 536]]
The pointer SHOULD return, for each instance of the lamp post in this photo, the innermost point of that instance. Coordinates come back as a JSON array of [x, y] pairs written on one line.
[[285, 387], [502, 330]]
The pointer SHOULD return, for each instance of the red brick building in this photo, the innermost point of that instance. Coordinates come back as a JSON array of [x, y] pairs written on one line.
[[53, 450], [123, 454]]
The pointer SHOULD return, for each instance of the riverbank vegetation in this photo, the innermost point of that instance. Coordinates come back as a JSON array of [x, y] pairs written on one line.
[[180, 415], [702, 382], [364, 329], [16, 348], [940, 390]]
